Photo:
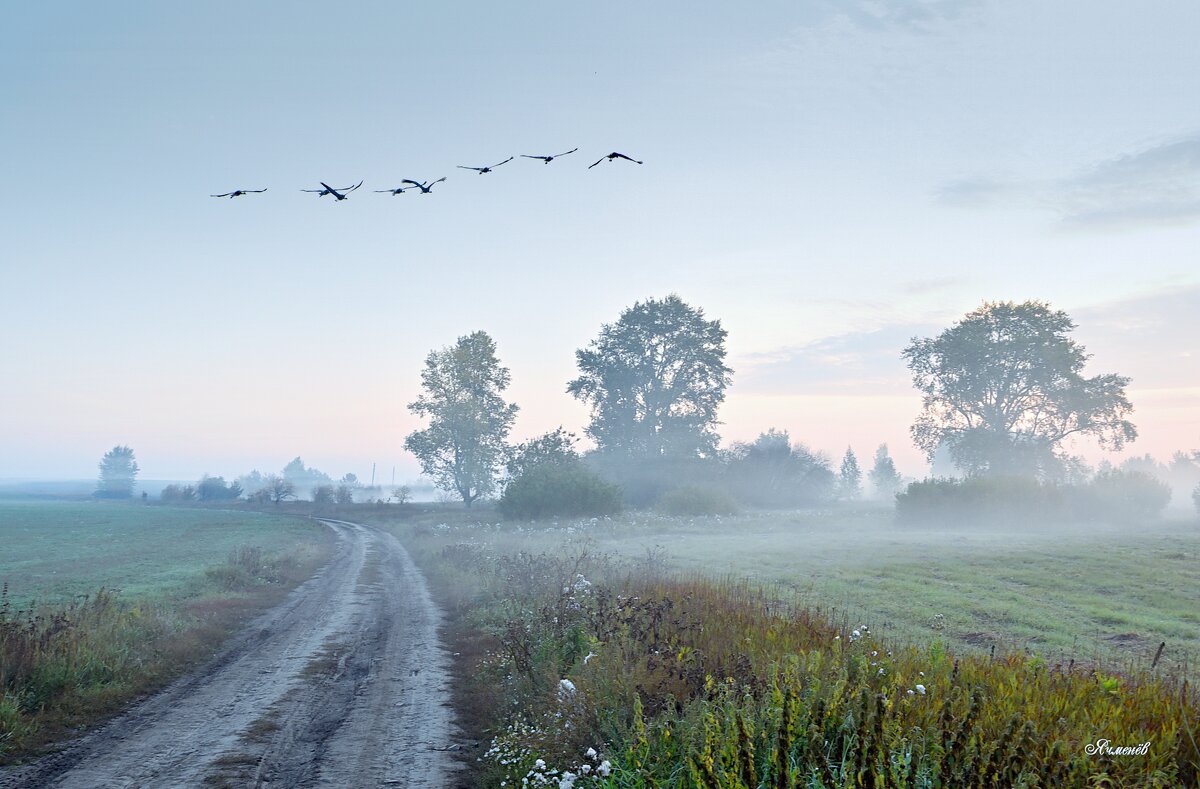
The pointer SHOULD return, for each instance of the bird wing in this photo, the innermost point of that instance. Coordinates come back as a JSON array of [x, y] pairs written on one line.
[[623, 156], [227, 194], [464, 167], [331, 190], [438, 181], [506, 161], [414, 183], [352, 188], [254, 191], [573, 150], [602, 158], [314, 190], [381, 191], [527, 156]]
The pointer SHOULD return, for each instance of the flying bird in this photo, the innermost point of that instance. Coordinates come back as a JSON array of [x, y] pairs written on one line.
[[339, 193], [548, 159], [611, 157], [399, 190], [425, 188], [239, 193], [482, 170]]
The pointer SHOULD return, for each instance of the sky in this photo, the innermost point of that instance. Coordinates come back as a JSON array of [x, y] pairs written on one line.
[[827, 179]]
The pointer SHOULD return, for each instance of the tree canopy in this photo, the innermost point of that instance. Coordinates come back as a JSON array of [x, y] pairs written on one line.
[[463, 446], [654, 380], [118, 472], [1003, 388]]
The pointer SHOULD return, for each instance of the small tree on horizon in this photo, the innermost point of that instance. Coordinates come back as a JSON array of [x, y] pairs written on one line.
[[884, 478], [278, 490], [118, 473], [850, 477], [463, 447]]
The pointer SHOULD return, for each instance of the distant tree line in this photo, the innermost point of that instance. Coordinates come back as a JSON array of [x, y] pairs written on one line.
[[653, 381], [1003, 390]]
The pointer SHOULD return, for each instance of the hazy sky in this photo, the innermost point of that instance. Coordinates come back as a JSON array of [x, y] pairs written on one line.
[[826, 178]]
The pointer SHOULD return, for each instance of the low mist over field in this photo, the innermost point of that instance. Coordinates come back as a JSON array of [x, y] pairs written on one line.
[[686, 394]]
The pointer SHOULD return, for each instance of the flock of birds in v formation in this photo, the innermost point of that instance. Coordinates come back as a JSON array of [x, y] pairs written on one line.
[[407, 185]]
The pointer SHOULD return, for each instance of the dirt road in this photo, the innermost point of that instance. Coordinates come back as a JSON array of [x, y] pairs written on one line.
[[342, 685]]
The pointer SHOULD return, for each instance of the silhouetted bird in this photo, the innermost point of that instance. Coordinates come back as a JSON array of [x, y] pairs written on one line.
[[425, 188], [611, 156], [548, 159], [340, 193], [399, 190], [482, 170], [240, 192]]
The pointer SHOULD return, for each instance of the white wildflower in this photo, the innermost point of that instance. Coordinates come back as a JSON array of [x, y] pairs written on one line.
[[566, 688], [604, 769], [921, 689], [590, 753]]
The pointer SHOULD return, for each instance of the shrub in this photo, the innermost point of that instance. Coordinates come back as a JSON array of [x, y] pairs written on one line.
[[1127, 495], [215, 489], [697, 500], [978, 499], [559, 489], [177, 493]]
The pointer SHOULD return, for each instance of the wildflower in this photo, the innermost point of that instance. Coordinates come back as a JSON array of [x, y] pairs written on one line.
[[881, 672], [590, 753], [921, 689], [910, 692], [566, 688], [604, 769], [540, 764]]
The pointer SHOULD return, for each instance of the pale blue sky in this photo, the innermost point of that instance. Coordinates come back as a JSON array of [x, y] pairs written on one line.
[[826, 178]]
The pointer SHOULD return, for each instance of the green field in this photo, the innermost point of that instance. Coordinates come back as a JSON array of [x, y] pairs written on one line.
[[52, 551], [1086, 591], [176, 583]]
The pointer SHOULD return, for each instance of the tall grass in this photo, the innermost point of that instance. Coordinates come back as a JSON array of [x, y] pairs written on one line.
[[694, 681], [61, 665]]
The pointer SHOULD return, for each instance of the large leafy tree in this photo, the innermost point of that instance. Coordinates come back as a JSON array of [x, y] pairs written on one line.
[[463, 447], [1004, 386], [654, 380], [118, 472]]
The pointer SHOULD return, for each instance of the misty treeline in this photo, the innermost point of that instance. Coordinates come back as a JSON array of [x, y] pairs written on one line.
[[119, 470], [294, 481], [1003, 390]]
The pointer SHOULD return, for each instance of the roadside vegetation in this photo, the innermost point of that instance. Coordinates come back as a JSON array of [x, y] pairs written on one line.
[[101, 603], [588, 667]]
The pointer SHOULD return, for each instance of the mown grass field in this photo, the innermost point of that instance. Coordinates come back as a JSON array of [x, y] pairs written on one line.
[[51, 551], [106, 601]]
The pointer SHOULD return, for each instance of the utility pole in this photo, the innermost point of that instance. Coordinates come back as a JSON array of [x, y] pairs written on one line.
[[393, 476], [372, 475]]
